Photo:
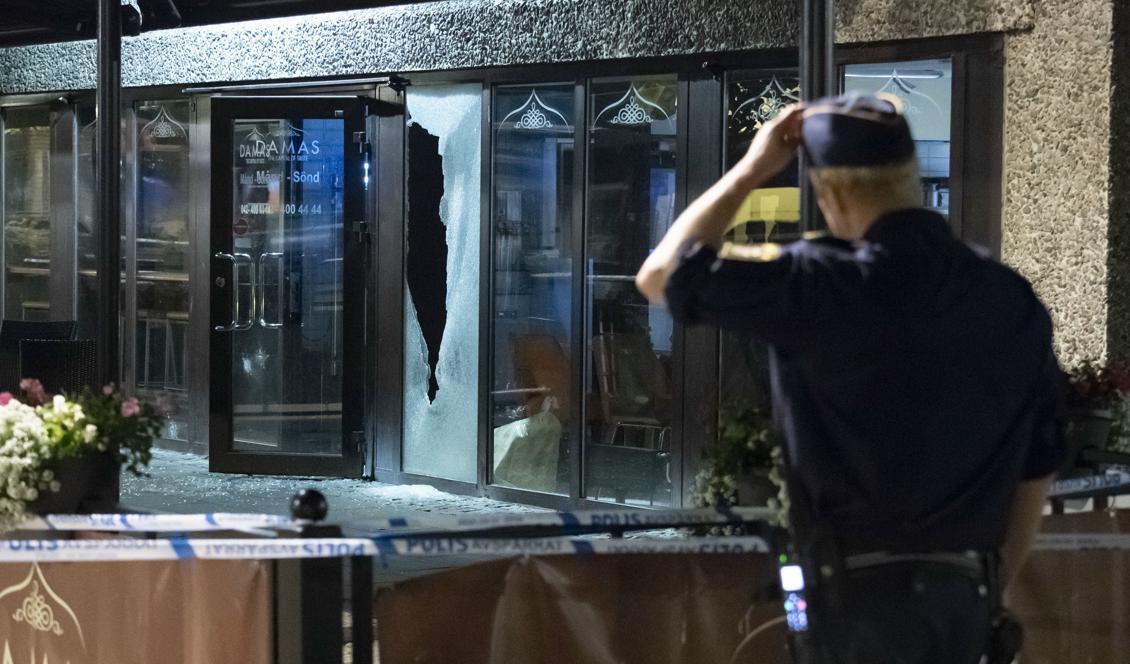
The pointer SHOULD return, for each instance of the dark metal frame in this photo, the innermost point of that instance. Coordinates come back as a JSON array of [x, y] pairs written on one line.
[[221, 457]]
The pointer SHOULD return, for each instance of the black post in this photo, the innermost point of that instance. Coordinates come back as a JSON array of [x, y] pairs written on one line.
[[817, 79], [108, 184]]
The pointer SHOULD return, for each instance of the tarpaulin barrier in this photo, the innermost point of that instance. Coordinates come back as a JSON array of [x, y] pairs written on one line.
[[1073, 594], [659, 609], [193, 612]]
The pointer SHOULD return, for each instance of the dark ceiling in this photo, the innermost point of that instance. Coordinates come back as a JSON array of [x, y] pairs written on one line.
[[40, 21]]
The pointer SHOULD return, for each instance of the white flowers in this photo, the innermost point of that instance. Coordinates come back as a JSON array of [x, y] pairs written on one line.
[[30, 438]]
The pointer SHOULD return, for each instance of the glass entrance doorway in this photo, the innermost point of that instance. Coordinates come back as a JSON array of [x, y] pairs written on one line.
[[287, 285]]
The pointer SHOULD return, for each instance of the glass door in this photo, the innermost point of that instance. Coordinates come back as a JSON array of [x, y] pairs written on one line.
[[287, 283]]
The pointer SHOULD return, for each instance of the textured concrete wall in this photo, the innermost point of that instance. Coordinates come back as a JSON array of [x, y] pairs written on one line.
[[476, 33], [1057, 167]]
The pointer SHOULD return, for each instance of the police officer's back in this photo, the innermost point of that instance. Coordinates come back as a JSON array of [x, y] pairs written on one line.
[[913, 379]]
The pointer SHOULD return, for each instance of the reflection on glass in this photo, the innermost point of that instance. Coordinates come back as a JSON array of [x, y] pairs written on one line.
[[86, 205], [27, 195], [162, 257], [771, 213], [925, 88], [532, 385], [286, 262], [630, 188]]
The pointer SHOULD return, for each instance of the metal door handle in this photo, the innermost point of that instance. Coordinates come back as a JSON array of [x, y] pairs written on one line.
[[250, 322], [262, 288], [236, 260]]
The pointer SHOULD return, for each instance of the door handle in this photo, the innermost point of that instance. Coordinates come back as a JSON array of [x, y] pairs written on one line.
[[250, 322], [236, 260], [262, 288]]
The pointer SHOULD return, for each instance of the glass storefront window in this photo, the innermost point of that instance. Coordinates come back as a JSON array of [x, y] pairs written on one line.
[[162, 257], [532, 207], [86, 242], [27, 199], [925, 88], [630, 190], [770, 214]]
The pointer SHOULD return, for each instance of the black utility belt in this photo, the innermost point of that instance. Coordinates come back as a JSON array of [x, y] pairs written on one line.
[[976, 564]]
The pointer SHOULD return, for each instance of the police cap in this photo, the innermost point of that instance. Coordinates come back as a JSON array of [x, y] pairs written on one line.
[[856, 130]]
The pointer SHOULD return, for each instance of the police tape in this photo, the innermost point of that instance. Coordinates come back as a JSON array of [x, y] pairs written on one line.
[[160, 523], [566, 522], [1084, 486], [108, 550], [1082, 542], [588, 520]]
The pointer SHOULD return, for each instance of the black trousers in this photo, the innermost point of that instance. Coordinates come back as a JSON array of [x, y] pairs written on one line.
[[904, 613]]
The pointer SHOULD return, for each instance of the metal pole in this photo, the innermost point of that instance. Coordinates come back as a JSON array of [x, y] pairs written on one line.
[[108, 184], [817, 79]]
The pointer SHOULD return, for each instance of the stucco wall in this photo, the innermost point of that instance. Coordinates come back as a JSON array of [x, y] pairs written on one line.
[[475, 33], [1057, 167]]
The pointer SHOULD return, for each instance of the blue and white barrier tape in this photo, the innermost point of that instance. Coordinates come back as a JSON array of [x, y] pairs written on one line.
[[186, 523], [1086, 485], [619, 518], [1082, 542], [160, 523], [12, 551]]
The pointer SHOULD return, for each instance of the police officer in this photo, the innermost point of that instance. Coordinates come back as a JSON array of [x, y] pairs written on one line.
[[913, 380]]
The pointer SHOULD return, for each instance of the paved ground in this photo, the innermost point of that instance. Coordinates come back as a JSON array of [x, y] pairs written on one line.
[[181, 483]]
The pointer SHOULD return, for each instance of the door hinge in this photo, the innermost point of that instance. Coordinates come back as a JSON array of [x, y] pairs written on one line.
[[361, 140], [361, 229], [357, 441]]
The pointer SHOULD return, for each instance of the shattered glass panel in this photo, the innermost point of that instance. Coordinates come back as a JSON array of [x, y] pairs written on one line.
[[441, 335]]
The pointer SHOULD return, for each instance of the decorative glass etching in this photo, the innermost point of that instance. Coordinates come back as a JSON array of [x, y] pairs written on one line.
[[441, 335], [534, 114], [757, 106], [634, 108]]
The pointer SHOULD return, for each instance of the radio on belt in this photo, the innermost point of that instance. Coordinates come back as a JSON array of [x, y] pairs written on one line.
[[796, 607]]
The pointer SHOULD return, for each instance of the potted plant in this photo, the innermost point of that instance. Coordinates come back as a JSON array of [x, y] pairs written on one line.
[[1095, 394], [744, 464], [62, 454]]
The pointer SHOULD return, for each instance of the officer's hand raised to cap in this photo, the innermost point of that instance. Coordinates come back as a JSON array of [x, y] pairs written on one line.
[[774, 147]]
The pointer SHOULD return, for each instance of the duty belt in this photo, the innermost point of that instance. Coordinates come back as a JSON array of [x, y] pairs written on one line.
[[975, 563]]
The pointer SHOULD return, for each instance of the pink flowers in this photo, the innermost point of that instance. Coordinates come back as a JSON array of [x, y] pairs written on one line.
[[108, 389], [131, 407], [5, 397], [34, 390]]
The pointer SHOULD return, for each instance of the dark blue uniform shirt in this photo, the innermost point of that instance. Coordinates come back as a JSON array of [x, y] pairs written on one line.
[[913, 378]]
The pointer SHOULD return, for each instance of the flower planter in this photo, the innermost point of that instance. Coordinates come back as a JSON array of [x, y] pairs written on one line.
[[88, 485], [1086, 429], [755, 489]]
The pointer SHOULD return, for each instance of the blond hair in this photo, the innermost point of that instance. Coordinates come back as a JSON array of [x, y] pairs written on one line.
[[898, 183]]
